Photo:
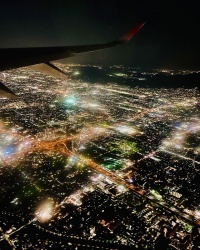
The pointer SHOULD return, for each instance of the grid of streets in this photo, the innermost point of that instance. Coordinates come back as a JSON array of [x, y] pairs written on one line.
[[102, 165]]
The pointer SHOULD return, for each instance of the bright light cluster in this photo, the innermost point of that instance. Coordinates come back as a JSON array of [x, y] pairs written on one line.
[[45, 210]]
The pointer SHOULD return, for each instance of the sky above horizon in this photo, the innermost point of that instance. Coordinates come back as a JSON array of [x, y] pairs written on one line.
[[170, 37]]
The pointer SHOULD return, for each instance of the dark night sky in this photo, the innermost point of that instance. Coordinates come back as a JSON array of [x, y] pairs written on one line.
[[170, 38]]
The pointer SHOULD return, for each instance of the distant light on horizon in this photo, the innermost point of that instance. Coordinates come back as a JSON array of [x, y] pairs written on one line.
[[75, 73]]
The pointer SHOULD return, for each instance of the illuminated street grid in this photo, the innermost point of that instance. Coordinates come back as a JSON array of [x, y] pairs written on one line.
[[93, 164]]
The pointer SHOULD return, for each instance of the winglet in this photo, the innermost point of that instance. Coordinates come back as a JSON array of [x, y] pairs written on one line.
[[130, 34]]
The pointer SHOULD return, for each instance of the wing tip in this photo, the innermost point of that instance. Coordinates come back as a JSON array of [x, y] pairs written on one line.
[[131, 33]]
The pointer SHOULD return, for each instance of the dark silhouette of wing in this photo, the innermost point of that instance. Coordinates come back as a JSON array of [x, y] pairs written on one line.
[[11, 58], [6, 92]]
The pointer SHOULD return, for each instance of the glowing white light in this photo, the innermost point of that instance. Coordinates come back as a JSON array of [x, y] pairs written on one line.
[[178, 146], [125, 130], [93, 105], [70, 100], [82, 147], [9, 138], [76, 73], [45, 211], [97, 177], [167, 143], [197, 214], [121, 189]]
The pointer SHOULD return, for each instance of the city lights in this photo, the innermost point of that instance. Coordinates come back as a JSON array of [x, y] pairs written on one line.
[[45, 210], [104, 163]]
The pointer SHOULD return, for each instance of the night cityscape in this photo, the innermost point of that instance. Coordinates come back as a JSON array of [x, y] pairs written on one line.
[[99, 125], [100, 160]]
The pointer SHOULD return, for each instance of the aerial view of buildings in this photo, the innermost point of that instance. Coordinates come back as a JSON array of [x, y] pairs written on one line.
[[99, 165]]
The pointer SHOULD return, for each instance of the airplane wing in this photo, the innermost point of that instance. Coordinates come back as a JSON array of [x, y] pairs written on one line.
[[48, 69], [11, 58], [6, 92]]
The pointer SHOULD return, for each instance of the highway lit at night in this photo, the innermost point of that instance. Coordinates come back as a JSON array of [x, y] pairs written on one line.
[[98, 163]]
